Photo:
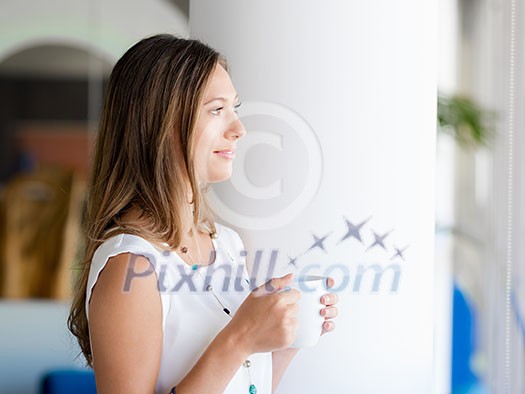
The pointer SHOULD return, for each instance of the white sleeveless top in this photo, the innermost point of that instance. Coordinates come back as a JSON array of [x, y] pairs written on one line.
[[191, 316]]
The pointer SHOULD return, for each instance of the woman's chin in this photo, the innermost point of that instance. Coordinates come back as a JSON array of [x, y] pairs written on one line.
[[217, 178]]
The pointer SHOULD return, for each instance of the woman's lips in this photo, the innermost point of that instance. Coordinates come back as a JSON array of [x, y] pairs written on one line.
[[228, 154]]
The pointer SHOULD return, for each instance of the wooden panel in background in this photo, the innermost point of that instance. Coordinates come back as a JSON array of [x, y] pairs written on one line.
[[41, 234]]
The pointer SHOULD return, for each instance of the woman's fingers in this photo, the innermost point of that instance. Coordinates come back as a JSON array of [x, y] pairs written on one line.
[[330, 299], [328, 326], [330, 282], [273, 285], [289, 295], [329, 312]]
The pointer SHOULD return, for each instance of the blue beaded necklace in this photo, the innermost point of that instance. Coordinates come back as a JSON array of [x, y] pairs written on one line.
[[195, 267]]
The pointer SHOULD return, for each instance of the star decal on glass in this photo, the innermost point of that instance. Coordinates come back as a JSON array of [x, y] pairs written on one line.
[[292, 261], [353, 230], [399, 253], [319, 242], [379, 240]]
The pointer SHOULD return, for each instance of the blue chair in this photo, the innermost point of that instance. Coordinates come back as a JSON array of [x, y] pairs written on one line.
[[67, 381]]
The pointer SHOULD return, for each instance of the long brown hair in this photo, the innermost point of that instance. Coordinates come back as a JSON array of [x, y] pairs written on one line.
[[144, 150]]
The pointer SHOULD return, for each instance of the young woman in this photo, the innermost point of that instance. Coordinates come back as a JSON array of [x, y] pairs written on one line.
[[149, 315]]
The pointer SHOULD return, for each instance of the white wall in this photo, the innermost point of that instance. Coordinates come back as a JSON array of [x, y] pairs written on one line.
[[339, 103], [445, 192]]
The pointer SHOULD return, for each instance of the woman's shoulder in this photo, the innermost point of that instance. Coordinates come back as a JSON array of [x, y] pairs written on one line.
[[110, 251], [126, 243], [135, 244]]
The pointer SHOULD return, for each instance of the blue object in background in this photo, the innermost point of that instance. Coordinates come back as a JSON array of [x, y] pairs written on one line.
[[464, 324], [463, 336], [67, 381]]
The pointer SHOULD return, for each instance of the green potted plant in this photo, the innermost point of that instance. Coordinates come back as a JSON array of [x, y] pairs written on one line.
[[466, 121]]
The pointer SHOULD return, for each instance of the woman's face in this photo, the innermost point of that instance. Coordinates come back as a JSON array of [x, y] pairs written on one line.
[[218, 129]]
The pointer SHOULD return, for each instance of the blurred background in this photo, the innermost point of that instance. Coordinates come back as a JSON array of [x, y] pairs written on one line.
[[55, 60]]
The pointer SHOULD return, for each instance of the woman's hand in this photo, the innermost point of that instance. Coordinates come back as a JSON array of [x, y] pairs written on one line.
[[282, 358], [267, 319], [331, 311]]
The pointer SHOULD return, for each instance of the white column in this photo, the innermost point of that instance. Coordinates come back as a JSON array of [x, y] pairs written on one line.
[[339, 100]]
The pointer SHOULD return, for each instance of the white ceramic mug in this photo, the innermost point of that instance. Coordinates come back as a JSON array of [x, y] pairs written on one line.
[[310, 321]]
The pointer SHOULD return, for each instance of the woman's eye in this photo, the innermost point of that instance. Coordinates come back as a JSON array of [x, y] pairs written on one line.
[[216, 111], [236, 107]]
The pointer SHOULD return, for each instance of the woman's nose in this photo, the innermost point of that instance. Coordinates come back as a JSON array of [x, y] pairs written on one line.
[[236, 130]]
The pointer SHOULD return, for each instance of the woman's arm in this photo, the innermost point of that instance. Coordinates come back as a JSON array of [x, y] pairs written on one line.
[[280, 361], [126, 336], [282, 358]]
